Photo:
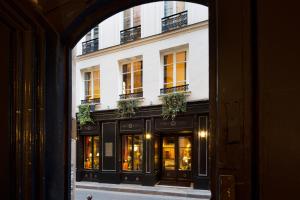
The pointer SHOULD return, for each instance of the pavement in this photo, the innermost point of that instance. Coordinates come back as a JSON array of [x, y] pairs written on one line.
[[160, 191]]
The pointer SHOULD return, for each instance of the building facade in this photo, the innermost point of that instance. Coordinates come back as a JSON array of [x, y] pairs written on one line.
[[142, 55]]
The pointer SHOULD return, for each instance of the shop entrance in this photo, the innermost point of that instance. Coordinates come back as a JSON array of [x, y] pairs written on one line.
[[176, 159]]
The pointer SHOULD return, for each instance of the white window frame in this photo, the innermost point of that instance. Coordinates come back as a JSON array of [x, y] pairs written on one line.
[[131, 75], [92, 82], [174, 52]]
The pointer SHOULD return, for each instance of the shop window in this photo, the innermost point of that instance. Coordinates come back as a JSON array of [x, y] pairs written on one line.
[[132, 75], [91, 152], [92, 84], [169, 162], [132, 148], [185, 153], [174, 69]]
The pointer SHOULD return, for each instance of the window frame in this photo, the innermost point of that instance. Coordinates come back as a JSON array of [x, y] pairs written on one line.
[[132, 152], [92, 152], [131, 17], [174, 7], [131, 63], [174, 52], [92, 82]]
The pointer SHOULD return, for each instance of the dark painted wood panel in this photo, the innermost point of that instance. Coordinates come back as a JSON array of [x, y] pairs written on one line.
[[109, 138]]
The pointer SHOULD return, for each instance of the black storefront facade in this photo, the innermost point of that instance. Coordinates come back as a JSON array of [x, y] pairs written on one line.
[[146, 149]]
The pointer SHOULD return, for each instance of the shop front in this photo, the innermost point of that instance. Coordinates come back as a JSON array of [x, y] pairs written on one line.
[[146, 149]]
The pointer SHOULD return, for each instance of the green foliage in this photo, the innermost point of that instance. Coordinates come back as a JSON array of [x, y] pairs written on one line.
[[173, 104], [84, 114], [128, 108]]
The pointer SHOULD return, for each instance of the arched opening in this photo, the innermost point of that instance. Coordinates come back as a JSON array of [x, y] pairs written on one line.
[[199, 120]]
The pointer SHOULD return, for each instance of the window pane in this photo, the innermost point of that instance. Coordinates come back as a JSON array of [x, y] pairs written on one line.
[[127, 152], [180, 74], [126, 68], [127, 83], [127, 21], [185, 153], [137, 16], [137, 152], [180, 6], [88, 36], [96, 32], [168, 59], [87, 89], [88, 155], [87, 76], [138, 82], [96, 153], [156, 153], [137, 66], [168, 76], [168, 8], [96, 82], [169, 153], [181, 56]]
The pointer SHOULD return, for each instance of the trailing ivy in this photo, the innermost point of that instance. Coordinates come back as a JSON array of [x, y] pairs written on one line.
[[84, 115], [128, 108], [173, 104]]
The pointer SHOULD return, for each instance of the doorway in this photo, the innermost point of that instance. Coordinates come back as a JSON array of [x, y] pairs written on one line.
[[176, 159]]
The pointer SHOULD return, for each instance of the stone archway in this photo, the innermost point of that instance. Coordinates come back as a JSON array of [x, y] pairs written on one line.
[[50, 30]]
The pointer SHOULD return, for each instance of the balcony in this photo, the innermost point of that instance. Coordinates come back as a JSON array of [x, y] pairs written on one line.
[[131, 95], [182, 88], [90, 46], [130, 34], [175, 21], [91, 101]]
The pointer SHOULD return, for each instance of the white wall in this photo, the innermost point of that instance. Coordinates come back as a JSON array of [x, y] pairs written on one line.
[[110, 73], [151, 14]]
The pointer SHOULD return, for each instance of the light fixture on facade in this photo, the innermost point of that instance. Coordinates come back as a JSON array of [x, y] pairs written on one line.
[[148, 136], [203, 134]]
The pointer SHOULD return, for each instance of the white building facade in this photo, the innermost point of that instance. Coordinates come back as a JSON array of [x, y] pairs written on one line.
[[144, 53]]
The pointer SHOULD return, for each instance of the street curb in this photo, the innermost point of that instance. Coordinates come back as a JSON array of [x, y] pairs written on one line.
[[139, 191]]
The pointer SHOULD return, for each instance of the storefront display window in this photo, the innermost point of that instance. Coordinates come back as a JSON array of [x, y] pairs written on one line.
[[185, 153], [91, 152], [132, 152]]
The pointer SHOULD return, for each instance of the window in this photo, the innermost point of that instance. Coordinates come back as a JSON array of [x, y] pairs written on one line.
[[88, 36], [132, 17], [185, 153], [174, 69], [91, 152], [132, 75], [173, 7], [96, 32], [92, 84], [132, 148]]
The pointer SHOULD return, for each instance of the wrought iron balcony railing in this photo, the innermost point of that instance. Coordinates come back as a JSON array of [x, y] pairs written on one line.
[[130, 34], [174, 21], [91, 101], [131, 95], [90, 46], [182, 88]]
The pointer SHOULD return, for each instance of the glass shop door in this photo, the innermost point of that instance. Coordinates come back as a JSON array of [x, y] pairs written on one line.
[[176, 158]]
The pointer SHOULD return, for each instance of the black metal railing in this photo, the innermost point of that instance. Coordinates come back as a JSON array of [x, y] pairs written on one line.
[[90, 46], [131, 95], [182, 88], [174, 21], [130, 34], [91, 101]]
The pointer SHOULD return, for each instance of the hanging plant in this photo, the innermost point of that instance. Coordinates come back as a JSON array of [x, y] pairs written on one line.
[[84, 115], [128, 108], [173, 104]]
